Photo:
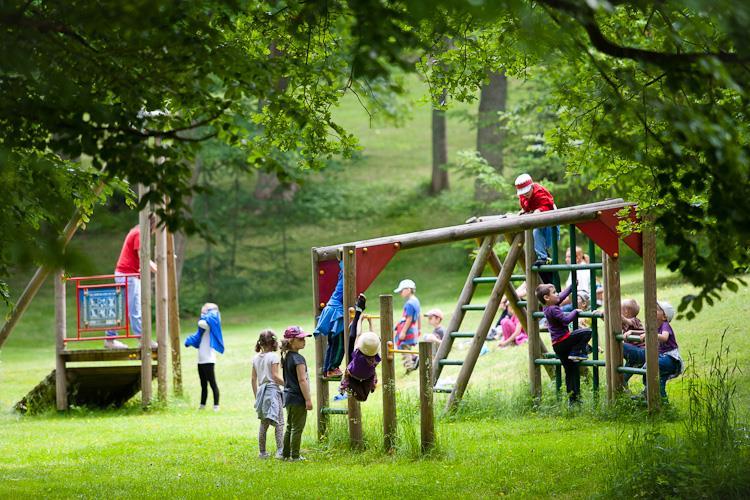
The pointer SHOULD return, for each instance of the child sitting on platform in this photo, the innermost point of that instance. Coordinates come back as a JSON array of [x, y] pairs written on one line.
[[360, 378], [670, 361], [208, 340], [631, 325], [570, 347], [266, 382]]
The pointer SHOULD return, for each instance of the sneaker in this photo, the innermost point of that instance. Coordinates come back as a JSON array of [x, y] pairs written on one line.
[[263, 455], [340, 397], [577, 357], [202, 407], [361, 302], [298, 459], [216, 407], [336, 372], [114, 344], [589, 349], [279, 455]]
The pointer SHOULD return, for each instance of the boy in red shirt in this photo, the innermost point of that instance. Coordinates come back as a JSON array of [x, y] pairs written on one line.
[[129, 262], [534, 198]]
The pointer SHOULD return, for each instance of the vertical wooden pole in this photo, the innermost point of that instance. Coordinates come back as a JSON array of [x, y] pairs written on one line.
[[613, 317], [350, 298], [388, 374], [426, 410], [161, 312], [321, 386], [485, 323], [608, 362], [61, 380], [649, 302], [173, 321], [145, 263], [532, 305]]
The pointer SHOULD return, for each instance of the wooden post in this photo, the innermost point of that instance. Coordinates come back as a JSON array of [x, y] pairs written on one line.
[[350, 297], [173, 321], [532, 305], [608, 364], [388, 374], [613, 317], [321, 386], [145, 264], [161, 312], [61, 380], [649, 302], [485, 323], [426, 413], [458, 313]]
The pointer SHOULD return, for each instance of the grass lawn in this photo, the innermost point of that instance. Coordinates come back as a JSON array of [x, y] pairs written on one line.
[[492, 448]]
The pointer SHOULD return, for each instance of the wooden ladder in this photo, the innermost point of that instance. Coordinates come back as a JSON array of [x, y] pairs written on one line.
[[502, 286]]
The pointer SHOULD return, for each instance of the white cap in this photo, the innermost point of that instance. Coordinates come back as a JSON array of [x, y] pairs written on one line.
[[523, 184], [407, 283], [667, 308], [368, 343]]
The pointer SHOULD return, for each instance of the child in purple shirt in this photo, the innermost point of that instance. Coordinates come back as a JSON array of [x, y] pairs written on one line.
[[570, 347], [360, 378]]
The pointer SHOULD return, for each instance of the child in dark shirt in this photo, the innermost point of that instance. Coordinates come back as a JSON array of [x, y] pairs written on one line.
[[360, 378], [570, 347], [297, 399]]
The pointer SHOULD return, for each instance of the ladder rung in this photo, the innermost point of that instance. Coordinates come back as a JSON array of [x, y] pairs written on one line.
[[493, 279], [462, 335], [630, 369], [521, 303], [474, 307], [451, 362], [331, 379], [567, 267], [556, 362], [334, 411], [444, 390]]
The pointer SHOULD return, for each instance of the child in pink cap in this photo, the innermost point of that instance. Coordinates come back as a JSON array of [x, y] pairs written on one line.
[[297, 400]]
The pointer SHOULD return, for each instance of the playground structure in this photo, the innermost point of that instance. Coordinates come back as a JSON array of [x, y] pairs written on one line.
[[364, 260], [102, 306]]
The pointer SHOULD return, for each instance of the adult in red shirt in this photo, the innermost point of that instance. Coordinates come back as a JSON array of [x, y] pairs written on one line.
[[129, 262], [534, 198]]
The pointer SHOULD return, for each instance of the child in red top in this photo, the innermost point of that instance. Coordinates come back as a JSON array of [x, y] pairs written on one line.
[[533, 198]]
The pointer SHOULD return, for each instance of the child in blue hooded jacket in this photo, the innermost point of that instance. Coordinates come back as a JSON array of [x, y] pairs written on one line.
[[208, 340]]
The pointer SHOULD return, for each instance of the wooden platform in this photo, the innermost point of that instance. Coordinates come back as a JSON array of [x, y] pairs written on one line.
[[81, 355], [98, 386]]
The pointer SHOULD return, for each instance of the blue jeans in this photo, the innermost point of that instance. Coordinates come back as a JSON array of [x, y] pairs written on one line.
[[636, 357], [134, 304], [543, 239]]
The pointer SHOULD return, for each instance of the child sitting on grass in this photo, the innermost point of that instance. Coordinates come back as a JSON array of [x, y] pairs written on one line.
[[360, 377], [570, 347], [435, 318], [208, 340], [512, 331], [297, 399], [266, 381]]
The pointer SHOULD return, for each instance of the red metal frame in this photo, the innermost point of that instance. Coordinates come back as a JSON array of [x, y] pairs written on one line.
[[79, 286]]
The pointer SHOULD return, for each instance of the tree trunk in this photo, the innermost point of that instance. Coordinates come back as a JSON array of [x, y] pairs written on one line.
[[490, 136], [180, 239], [439, 152]]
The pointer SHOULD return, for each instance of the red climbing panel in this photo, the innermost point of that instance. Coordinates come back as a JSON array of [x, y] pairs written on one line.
[[603, 231], [328, 275], [370, 261]]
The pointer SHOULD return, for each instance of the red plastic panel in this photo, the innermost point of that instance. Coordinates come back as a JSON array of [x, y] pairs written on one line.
[[328, 276], [603, 231], [371, 261]]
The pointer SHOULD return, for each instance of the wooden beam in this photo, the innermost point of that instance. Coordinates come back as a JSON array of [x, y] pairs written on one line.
[[426, 409], [350, 298], [161, 311], [596, 205], [61, 381], [532, 304], [649, 305], [145, 263], [613, 317], [86, 355], [485, 323], [173, 321], [388, 374], [512, 224], [321, 386], [607, 330], [467, 293]]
